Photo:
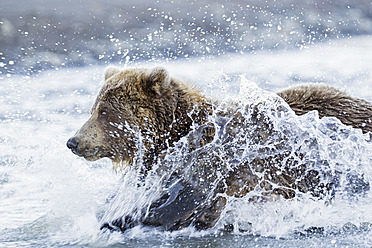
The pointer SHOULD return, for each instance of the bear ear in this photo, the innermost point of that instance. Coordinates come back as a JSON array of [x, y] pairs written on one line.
[[156, 79], [111, 70]]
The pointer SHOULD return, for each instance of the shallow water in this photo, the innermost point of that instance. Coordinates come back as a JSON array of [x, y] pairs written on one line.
[[51, 198]]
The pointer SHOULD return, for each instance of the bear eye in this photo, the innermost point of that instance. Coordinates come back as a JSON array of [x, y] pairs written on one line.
[[103, 113]]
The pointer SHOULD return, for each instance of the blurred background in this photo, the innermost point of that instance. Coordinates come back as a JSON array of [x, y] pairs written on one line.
[[42, 34]]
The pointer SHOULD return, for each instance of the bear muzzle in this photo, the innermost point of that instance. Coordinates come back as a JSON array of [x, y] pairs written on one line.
[[89, 154], [73, 145]]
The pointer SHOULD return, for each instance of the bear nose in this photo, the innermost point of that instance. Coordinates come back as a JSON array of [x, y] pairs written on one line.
[[73, 144]]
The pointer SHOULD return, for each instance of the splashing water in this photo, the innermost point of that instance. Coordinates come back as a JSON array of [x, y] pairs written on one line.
[[49, 197], [326, 145]]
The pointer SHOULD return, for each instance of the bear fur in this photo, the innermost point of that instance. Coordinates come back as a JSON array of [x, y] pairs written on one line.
[[140, 114], [329, 101]]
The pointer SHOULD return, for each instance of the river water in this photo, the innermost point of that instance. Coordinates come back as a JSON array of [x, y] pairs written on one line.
[[51, 198]]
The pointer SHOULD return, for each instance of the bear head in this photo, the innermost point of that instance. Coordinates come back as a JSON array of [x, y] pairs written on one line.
[[138, 112]]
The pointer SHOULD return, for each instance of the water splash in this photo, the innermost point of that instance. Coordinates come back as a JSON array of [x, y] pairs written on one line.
[[49, 197], [340, 155]]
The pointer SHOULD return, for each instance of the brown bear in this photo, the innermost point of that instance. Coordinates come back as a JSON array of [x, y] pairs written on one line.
[[205, 151]]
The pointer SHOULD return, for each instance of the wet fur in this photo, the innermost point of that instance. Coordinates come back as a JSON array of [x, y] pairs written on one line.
[[329, 101], [163, 110]]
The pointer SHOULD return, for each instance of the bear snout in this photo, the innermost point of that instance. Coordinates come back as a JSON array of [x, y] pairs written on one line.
[[73, 145]]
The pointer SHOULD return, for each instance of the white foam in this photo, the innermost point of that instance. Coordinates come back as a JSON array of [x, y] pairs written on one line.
[[48, 193]]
